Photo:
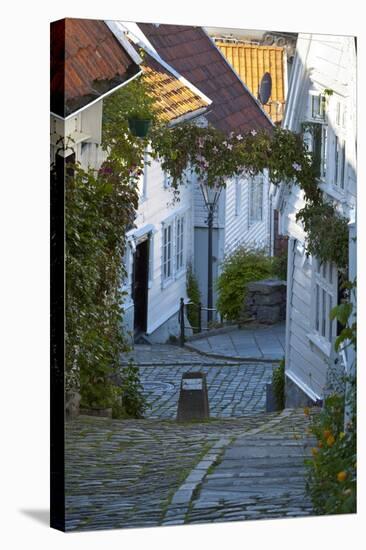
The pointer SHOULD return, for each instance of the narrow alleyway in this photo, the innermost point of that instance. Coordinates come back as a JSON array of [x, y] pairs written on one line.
[[242, 463]]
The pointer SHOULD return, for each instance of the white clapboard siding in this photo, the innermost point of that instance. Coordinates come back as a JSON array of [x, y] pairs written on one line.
[[200, 210], [322, 62], [238, 227], [155, 207], [310, 365]]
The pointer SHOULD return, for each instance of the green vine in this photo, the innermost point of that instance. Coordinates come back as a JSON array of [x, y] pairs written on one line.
[[215, 158], [100, 207]]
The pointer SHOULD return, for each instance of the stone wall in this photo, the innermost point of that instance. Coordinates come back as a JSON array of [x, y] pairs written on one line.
[[265, 301]]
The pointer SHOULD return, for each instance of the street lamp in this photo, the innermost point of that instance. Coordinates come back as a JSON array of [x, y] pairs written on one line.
[[211, 195]]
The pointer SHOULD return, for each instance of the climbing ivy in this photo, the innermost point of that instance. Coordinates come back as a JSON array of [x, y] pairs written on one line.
[[215, 158], [100, 207]]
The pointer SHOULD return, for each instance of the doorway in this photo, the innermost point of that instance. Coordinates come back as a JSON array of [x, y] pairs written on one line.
[[140, 286]]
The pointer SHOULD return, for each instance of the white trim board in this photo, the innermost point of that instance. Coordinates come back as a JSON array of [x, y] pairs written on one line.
[[138, 37], [304, 387], [59, 117]]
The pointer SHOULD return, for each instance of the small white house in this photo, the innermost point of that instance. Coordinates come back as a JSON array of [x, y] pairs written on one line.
[[161, 244], [322, 91], [244, 214]]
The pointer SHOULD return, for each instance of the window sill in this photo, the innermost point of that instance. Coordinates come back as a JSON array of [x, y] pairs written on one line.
[[180, 274], [167, 282], [335, 192], [320, 343]]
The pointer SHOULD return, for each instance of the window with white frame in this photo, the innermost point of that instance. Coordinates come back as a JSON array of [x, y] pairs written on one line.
[[256, 199], [318, 106], [173, 247], [167, 264], [179, 243], [319, 148], [339, 161], [237, 197], [324, 299]]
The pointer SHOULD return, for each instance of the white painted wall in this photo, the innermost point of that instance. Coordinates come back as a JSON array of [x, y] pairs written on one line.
[[156, 207], [239, 228], [322, 62]]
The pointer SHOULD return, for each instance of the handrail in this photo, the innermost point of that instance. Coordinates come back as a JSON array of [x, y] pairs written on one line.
[[181, 318]]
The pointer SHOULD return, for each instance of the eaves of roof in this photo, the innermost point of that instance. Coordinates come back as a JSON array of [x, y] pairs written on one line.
[[87, 63]]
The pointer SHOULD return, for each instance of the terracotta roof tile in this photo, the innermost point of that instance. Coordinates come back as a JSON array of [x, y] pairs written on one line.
[[173, 98], [191, 52], [86, 62], [251, 61]]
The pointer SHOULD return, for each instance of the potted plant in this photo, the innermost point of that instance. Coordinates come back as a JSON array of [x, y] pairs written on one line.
[[139, 122]]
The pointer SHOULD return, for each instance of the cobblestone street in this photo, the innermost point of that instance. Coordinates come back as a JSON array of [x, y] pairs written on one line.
[[156, 471], [233, 390], [135, 473]]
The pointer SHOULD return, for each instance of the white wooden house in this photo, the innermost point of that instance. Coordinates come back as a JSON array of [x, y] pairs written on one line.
[[244, 214], [322, 90], [160, 245]]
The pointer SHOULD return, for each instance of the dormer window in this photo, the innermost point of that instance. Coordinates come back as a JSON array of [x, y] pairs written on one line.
[[318, 103]]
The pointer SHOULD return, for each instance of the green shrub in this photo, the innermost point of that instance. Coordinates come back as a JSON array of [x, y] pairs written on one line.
[[194, 295], [331, 472], [133, 401], [278, 384], [238, 269]]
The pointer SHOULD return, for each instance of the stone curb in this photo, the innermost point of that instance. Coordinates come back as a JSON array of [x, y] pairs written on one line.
[[181, 364], [244, 326], [235, 358], [180, 502]]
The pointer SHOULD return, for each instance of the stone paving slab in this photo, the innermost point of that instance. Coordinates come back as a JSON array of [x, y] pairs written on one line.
[[247, 343]]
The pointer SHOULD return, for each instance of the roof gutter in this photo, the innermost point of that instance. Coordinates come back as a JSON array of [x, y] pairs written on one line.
[[188, 116], [97, 99]]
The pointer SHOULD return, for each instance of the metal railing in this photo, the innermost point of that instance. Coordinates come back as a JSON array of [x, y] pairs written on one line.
[[183, 307]]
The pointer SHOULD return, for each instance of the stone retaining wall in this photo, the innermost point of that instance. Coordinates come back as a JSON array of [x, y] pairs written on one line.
[[265, 301]]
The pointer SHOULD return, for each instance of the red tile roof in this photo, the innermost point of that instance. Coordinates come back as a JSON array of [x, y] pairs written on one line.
[[87, 61], [192, 53]]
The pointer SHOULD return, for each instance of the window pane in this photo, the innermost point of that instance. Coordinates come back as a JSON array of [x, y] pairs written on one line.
[[317, 148], [317, 310], [330, 322], [343, 162], [324, 151], [336, 160], [315, 105], [324, 298]]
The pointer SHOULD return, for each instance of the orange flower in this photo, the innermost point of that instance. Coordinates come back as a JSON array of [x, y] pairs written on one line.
[[327, 433], [320, 444], [330, 440], [341, 476], [314, 451]]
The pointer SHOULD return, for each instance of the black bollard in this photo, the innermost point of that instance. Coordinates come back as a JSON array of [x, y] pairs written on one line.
[[193, 397]]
